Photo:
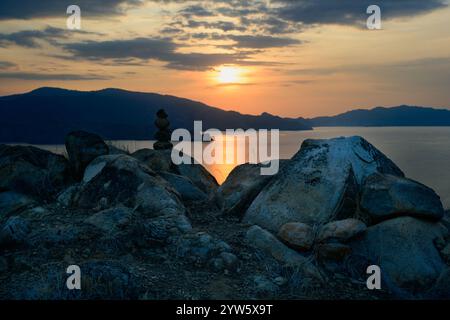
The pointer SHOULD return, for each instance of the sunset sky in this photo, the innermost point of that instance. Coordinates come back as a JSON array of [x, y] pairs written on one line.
[[292, 58]]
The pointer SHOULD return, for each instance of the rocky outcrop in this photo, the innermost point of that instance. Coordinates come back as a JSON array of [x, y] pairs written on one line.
[[32, 171], [202, 248], [83, 147], [269, 244], [342, 230], [122, 180], [12, 202], [14, 231], [441, 289], [333, 251], [192, 181], [240, 188], [386, 196], [187, 190], [337, 207], [297, 235], [404, 249], [112, 220], [157, 160], [116, 150], [199, 176], [320, 184]]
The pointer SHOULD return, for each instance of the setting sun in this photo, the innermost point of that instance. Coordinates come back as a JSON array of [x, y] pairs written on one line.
[[229, 75]]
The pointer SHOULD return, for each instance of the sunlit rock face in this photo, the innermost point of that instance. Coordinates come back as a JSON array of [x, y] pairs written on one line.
[[321, 183]]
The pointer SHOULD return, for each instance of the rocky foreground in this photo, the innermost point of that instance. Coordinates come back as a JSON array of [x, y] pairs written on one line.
[[141, 227]]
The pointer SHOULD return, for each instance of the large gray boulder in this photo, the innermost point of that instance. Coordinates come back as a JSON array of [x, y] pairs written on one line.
[[269, 244], [384, 196], [319, 184], [404, 249], [111, 220], [32, 171], [157, 160], [240, 188], [184, 186], [204, 180], [83, 147], [115, 180], [14, 231], [12, 202], [441, 289]]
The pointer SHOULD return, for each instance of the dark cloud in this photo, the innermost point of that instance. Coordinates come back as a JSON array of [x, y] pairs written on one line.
[[150, 49], [49, 76], [349, 11], [6, 65], [220, 25], [201, 61], [292, 16], [261, 42], [32, 38], [196, 11], [28, 9], [141, 48]]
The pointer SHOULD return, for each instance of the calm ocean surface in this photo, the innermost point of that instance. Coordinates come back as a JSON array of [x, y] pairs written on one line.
[[423, 153]]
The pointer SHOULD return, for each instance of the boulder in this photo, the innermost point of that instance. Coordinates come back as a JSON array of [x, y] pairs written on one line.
[[404, 250], [83, 147], [111, 220], [446, 219], [441, 289], [386, 196], [268, 243], [67, 197], [161, 230], [333, 251], [240, 188], [32, 171], [320, 184], [342, 230], [14, 231], [157, 160], [121, 180], [445, 253], [12, 202], [225, 261], [184, 186], [200, 247], [116, 150], [199, 176], [297, 235], [265, 289]]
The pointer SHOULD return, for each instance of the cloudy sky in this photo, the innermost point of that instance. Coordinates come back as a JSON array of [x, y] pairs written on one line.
[[286, 57]]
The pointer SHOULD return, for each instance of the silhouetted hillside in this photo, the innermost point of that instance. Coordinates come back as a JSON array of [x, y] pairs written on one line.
[[383, 117], [46, 115]]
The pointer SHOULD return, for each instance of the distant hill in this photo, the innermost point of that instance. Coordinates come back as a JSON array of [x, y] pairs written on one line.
[[384, 117], [46, 115]]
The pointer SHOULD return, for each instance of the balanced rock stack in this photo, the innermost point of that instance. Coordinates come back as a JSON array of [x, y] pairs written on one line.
[[163, 134]]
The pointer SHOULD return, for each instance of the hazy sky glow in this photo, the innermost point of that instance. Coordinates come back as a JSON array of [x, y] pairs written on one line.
[[286, 57]]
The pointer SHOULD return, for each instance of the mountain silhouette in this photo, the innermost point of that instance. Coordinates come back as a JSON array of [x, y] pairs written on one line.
[[384, 117], [46, 115]]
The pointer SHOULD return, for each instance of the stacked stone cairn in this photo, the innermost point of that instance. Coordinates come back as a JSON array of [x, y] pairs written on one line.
[[163, 134]]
